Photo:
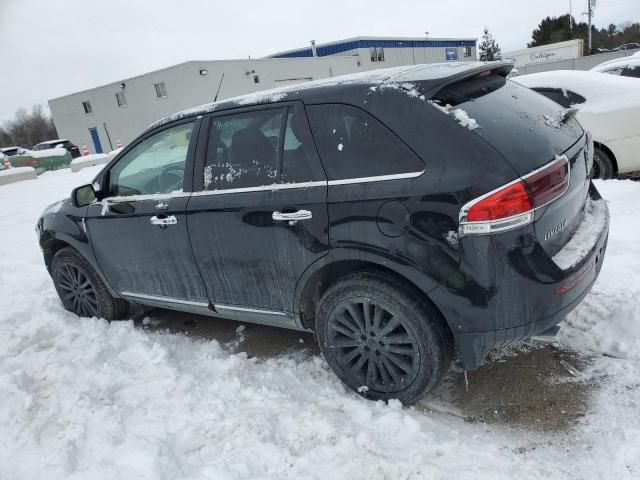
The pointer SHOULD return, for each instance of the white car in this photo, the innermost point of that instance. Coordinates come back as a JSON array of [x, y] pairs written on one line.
[[607, 106], [624, 67]]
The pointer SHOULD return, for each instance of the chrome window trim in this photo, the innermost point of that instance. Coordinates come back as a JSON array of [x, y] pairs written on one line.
[[515, 221], [377, 178], [263, 188], [219, 306], [159, 298]]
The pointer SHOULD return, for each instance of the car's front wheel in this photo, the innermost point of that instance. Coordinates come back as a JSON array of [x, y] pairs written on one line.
[[80, 288], [381, 340]]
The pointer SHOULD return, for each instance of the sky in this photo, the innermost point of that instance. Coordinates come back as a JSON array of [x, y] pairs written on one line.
[[50, 48]]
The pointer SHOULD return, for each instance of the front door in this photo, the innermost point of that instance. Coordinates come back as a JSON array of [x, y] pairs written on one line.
[[139, 233], [261, 217]]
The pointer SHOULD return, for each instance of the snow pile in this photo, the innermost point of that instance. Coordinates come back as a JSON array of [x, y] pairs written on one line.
[[89, 161], [88, 399], [15, 171], [94, 157], [115, 152], [594, 220], [17, 174]]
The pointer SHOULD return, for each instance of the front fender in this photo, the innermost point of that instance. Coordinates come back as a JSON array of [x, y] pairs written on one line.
[[63, 222]]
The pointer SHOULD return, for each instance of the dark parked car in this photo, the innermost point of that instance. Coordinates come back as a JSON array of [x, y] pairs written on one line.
[[10, 151], [404, 215], [627, 46], [63, 143]]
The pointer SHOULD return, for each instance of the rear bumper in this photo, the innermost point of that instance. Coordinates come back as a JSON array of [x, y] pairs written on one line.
[[515, 292], [474, 347]]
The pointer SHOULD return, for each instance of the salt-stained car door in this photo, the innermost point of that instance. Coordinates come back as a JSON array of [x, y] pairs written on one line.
[[260, 218], [139, 233]]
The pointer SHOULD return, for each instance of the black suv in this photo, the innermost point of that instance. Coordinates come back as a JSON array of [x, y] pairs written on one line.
[[403, 215]]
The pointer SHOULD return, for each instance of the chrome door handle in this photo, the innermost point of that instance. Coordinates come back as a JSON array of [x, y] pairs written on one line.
[[292, 217], [163, 221]]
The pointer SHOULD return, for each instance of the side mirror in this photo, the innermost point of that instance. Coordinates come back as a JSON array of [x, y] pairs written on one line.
[[83, 196]]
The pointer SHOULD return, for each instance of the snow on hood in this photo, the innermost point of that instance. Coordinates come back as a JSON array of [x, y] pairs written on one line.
[[603, 92]]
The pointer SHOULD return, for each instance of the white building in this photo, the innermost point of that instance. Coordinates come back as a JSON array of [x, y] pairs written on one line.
[[553, 52], [121, 110]]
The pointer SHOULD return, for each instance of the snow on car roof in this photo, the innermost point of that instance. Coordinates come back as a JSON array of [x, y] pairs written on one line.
[[49, 142], [402, 74], [628, 62], [603, 92]]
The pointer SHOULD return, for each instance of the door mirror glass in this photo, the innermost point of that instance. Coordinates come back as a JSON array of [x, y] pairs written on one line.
[[83, 196]]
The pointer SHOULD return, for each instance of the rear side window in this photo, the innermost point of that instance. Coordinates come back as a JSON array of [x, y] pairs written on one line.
[[566, 98], [631, 72], [353, 144], [242, 150]]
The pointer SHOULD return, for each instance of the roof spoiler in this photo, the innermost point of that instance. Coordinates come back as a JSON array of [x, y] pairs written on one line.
[[497, 68]]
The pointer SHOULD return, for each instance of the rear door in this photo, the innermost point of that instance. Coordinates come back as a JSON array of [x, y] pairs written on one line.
[[260, 218], [139, 232]]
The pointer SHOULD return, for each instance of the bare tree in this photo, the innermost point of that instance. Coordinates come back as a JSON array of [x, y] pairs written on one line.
[[28, 128]]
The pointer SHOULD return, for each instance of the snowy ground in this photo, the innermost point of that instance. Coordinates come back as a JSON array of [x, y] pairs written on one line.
[[88, 399]]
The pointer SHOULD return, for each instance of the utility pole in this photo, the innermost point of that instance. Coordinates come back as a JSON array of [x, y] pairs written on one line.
[[590, 4], [571, 17]]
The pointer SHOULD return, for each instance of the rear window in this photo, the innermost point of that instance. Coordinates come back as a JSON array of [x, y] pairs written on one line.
[[522, 125], [353, 144]]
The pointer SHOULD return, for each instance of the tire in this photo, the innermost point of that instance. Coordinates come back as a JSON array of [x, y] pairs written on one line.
[[603, 166], [403, 352], [80, 288]]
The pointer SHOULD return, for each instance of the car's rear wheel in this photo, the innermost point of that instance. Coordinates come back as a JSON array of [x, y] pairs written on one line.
[[381, 340], [602, 165], [80, 288]]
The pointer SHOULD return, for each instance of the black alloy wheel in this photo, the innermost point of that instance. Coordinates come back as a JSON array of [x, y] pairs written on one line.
[[381, 338], [76, 290], [81, 289], [373, 345]]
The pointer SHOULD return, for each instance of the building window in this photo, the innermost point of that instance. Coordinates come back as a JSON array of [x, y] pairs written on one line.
[[256, 79], [161, 89], [121, 99], [87, 107], [467, 51], [377, 54]]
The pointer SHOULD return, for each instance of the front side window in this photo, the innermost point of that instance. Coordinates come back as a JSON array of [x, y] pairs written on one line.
[[242, 150], [155, 165], [87, 107], [353, 144]]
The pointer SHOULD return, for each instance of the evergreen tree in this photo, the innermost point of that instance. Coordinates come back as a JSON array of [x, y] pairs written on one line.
[[489, 48]]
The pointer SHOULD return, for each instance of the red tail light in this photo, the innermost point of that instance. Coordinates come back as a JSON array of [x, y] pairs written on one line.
[[512, 205]]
